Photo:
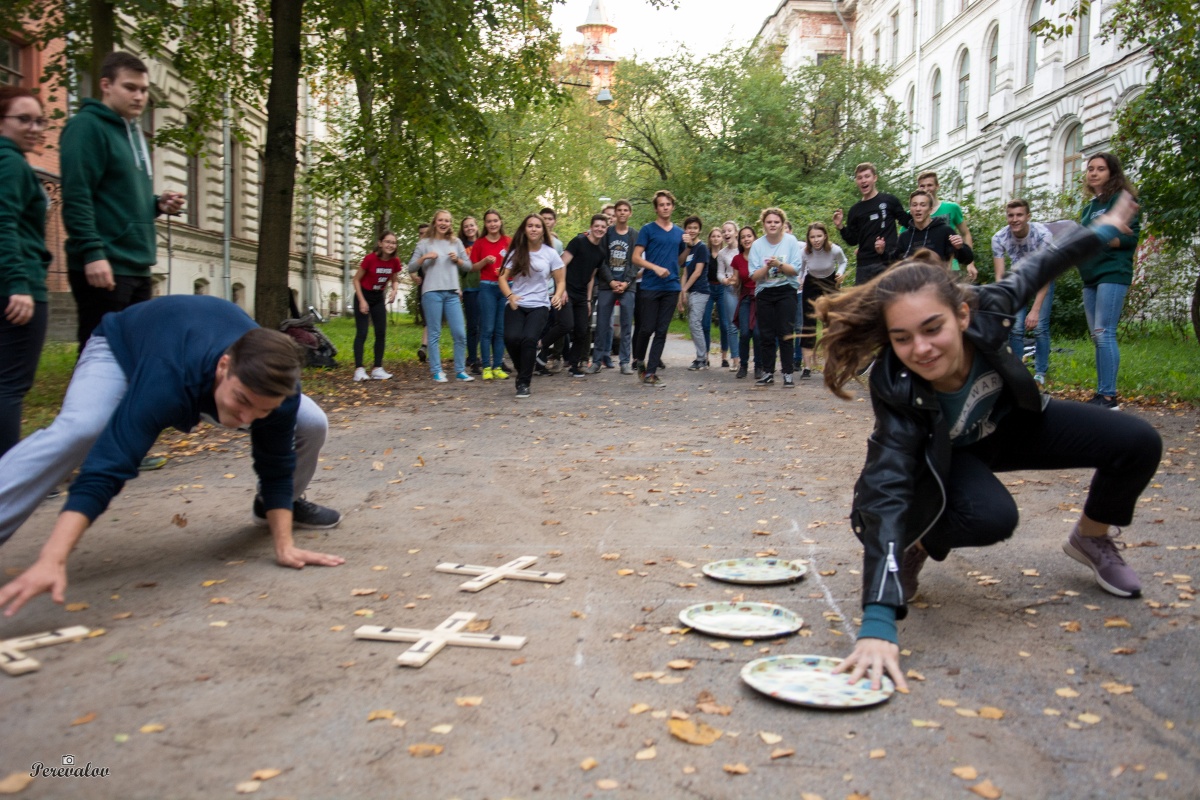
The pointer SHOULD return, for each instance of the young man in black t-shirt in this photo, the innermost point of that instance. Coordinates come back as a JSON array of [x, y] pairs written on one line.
[[584, 257], [871, 219], [620, 290]]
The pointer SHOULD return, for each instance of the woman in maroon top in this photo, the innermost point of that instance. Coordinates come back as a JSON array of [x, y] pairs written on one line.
[[746, 322], [379, 270]]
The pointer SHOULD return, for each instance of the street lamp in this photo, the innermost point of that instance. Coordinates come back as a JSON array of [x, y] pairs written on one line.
[[604, 97]]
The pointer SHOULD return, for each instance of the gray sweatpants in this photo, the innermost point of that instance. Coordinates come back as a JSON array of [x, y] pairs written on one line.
[[697, 302], [31, 469]]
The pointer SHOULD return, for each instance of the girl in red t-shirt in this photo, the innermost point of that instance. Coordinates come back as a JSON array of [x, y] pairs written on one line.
[[487, 254], [747, 324], [379, 270]]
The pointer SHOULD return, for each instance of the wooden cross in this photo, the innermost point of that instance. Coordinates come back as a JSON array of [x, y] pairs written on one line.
[[514, 569], [12, 652], [430, 642]]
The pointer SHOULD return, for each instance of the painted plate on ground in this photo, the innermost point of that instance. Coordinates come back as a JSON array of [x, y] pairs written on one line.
[[741, 620], [755, 570], [809, 681]]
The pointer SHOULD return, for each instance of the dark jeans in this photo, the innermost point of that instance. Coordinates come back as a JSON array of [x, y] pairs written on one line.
[[20, 349], [1124, 450], [376, 316], [746, 333], [93, 303], [813, 288], [522, 329], [574, 318], [470, 299], [777, 324], [866, 272], [655, 312]]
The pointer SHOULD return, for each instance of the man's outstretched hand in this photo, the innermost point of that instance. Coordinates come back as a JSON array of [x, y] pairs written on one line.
[[296, 558], [42, 577]]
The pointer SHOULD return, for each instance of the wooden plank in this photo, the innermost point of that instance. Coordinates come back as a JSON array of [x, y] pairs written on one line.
[[514, 570], [14, 660], [431, 642]]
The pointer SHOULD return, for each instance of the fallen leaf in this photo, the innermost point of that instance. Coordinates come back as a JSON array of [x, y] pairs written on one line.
[[1123, 651], [966, 773], [782, 752], [468, 702], [1090, 719], [420, 463], [518, 661], [152, 727], [478, 625], [383, 713], [1031, 573], [265, 774], [1116, 622], [362, 592], [77, 606], [180, 520], [606, 784], [1051, 712], [624, 572], [15, 782], [1066, 691], [715, 708], [677, 714], [443, 728], [688, 731], [424, 750], [947, 703], [219, 624], [364, 612], [588, 763], [247, 787], [966, 712], [645, 755], [1071, 627], [85, 719], [551, 522], [719, 645], [220, 601], [736, 769], [877, 753], [123, 615], [639, 708], [377, 466], [926, 723], [991, 712], [1116, 688], [914, 675], [770, 738], [986, 789], [643, 676], [681, 663], [610, 556], [207, 584], [669, 680]]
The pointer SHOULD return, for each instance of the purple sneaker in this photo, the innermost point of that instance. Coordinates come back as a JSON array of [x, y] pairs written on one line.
[[1100, 553]]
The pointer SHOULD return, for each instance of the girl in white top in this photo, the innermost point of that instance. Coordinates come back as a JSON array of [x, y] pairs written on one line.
[[730, 292], [825, 267], [523, 282], [444, 259]]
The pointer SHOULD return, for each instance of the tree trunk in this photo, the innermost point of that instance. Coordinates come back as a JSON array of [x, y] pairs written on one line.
[[103, 33], [1196, 309], [279, 164]]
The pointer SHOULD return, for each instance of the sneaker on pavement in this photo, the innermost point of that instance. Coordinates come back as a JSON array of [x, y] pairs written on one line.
[[1100, 553], [379, 374], [487, 374], [788, 381], [767, 379], [463, 377], [595, 368], [305, 514], [805, 373], [422, 353], [652, 380], [696, 366], [1111, 403], [522, 390], [725, 363], [742, 371], [476, 369], [1039, 378], [543, 371], [440, 378], [910, 568], [499, 374], [576, 372], [626, 369], [150, 463], [360, 374]]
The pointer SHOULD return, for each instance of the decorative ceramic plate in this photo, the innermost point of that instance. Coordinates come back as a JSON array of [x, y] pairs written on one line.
[[809, 681], [755, 570], [741, 620]]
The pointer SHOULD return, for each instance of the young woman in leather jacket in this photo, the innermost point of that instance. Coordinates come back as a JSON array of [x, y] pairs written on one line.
[[953, 406]]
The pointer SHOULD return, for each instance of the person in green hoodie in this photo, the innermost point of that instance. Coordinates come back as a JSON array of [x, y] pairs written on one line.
[[108, 196], [23, 257], [1106, 278]]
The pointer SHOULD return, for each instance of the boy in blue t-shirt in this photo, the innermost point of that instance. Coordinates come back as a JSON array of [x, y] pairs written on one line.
[[659, 246]]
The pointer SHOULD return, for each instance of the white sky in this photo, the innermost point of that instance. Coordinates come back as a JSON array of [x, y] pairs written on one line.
[[706, 25]]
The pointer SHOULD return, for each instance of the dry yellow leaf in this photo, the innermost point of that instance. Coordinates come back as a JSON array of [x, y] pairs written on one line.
[[444, 728], [362, 592], [987, 790], [77, 606], [719, 645], [207, 584], [336, 628], [669, 680], [689, 731], [1116, 688], [967, 773], [782, 752], [736, 769], [1066, 691], [878, 753], [714, 708], [15, 782], [770, 738], [624, 572], [810, 796], [1051, 712], [606, 784], [265, 774], [219, 624], [152, 727], [220, 601], [1116, 622], [966, 712], [1123, 651], [681, 663], [991, 712], [643, 676], [1090, 719], [1160, 776], [1030, 573], [914, 675], [478, 625], [468, 702], [247, 787], [364, 612], [610, 556], [399, 723], [639, 708], [677, 714], [646, 755], [123, 615], [1071, 627], [925, 723], [383, 713], [424, 750], [947, 703], [588, 763], [85, 719]]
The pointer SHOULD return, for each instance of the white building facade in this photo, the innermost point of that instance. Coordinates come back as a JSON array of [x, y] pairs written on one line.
[[987, 100]]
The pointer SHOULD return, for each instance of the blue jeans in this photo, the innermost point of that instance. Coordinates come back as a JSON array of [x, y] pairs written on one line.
[[729, 304], [1041, 333], [438, 304], [746, 333], [1102, 304], [470, 300], [491, 324], [605, 301]]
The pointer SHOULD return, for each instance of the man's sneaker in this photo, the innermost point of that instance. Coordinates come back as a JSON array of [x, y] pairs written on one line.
[[305, 514], [440, 378], [576, 372], [499, 374], [608, 363], [422, 353], [1111, 403], [522, 390], [543, 371], [379, 374], [1039, 378], [595, 368], [742, 371], [640, 368], [788, 382], [476, 369], [487, 374], [652, 380], [1100, 553], [360, 374], [696, 366], [463, 377], [767, 379], [150, 463], [910, 568], [626, 369], [758, 374], [724, 363], [805, 373]]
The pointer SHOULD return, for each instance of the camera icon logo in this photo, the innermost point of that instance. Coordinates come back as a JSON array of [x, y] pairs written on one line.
[[68, 761]]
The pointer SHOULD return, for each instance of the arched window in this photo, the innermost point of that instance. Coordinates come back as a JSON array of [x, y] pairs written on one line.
[[935, 112], [964, 89], [993, 60], [1031, 53], [1072, 156], [1020, 168], [239, 295], [200, 286], [910, 106]]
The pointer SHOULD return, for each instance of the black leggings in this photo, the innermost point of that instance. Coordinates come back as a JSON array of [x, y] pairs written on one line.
[[1124, 450], [574, 318], [22, 347], [522, 329], [777, 325], [654, 310], [376, 315], [813, 288]]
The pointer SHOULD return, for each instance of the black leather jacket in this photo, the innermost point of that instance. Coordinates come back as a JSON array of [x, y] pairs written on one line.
[[900, 494]]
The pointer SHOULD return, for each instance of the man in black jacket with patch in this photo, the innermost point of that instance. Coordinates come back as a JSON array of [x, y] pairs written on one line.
[[932, 233], [871, 221]]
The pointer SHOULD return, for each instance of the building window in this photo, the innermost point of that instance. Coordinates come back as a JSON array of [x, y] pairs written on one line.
[[1031, 53], [875, 40], [1085, 29], [200, 286], [239, 295], [993, 61], [916, 24], [935, 112], [895, 37], [10, 63], [939, 14], [236, 227], [911, 108], [192, 203], [1072, 157], [1020, 168], [964, 89], [860, 56]]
